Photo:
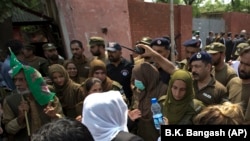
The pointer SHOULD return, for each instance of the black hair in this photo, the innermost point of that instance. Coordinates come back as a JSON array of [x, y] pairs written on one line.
[[63, 129], [15, 46], [90, 82], [76, 41]]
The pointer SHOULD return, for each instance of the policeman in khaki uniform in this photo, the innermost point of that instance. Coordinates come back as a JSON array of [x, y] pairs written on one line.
[[146, 41], [97, 48], [239, 87], [192, 46], [221, 70], [207, 88], [235, 64], [239, 48], [52, 56]]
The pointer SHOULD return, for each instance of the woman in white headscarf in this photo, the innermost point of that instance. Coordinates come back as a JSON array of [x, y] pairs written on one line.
[[105, 115]]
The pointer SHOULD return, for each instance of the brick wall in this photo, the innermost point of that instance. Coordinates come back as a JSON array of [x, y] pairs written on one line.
[[127, 21], [236, 21]]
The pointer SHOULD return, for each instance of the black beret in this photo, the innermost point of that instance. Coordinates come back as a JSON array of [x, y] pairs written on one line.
[[192, 43], [203, 56], [161, 42]]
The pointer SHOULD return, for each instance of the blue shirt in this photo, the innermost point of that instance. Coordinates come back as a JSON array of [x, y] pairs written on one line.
[[5, 74]]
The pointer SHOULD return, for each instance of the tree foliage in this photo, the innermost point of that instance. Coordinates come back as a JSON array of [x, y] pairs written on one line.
[[6, 7], [217, 6]]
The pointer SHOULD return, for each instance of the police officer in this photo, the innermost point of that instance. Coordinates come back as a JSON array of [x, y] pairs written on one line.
[[207, 88], [97, 48], [222, 71], [50, 52], [146, 41], [119, 69], [239, 87], [78, 58], [162, 46], [192, 46]]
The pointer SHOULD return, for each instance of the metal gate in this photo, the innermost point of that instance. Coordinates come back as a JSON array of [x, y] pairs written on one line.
[[204, 25]]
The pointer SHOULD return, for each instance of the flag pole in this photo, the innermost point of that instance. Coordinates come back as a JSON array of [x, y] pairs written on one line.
[[25, 112], [27, 121]]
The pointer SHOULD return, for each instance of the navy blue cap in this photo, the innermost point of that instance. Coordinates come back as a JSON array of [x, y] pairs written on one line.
[[161, 42], [113, 46], [192, 43], [203, 56]]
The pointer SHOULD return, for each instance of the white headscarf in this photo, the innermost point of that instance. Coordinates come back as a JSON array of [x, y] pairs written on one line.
[[105, 114]]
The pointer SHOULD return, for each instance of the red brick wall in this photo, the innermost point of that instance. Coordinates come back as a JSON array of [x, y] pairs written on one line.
[[153, 20], [236, 21], [127, 21]]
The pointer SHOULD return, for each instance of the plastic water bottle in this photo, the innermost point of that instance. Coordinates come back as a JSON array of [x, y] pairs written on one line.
[[157, 115]]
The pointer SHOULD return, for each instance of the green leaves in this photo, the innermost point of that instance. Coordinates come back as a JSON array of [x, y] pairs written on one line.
[[5, 9]]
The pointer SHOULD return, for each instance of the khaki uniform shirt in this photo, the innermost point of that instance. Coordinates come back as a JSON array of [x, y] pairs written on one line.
[[36, 62], [184, 65], [225, 75], [213, 93], [239, 93]]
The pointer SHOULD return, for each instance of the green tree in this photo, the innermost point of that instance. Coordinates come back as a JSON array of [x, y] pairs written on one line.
[[239, 6], [6, 11], [6, 7]]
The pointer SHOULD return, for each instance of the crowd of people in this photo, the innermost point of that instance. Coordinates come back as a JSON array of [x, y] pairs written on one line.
[[108, 98]]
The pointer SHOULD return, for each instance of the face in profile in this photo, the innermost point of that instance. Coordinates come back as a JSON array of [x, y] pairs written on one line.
[[58, 78], [244, 67], [178, 89]]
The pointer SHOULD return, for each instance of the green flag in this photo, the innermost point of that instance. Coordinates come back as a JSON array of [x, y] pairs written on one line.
[[13, 60], [37, 85]]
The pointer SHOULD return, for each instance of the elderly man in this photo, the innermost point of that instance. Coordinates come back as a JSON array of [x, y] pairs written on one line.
[[30, 106]]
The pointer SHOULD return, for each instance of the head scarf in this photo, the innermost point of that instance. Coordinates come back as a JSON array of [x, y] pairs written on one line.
[[37, 85], [60, 69], [69, 94], [97, 64], [105, 115], [75, 78], [173, 109], [154, 87]]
